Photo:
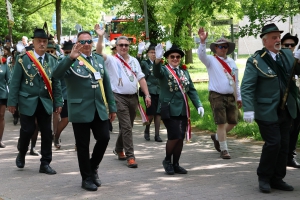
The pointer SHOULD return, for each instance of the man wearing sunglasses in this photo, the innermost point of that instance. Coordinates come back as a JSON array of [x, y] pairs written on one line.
[[290, 42], [91, 105], [125, 74], [224, 89]]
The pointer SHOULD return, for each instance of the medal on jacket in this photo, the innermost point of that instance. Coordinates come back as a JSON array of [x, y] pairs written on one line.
[[230, 82], [31, 83], [29, 66], [131, 78]]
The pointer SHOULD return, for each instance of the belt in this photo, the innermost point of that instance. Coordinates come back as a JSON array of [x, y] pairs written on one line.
[[227, 95], [127, 95]]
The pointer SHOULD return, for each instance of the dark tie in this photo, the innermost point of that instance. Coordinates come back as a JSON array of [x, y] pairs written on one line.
[[89, 59], [176, 70], [41, 60], [278, 60]]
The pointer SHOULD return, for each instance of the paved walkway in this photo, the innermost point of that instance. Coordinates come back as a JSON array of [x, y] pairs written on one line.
[[209, 176]]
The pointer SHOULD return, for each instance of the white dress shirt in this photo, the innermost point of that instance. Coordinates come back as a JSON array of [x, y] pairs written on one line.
[[119, 79], [218, 81]]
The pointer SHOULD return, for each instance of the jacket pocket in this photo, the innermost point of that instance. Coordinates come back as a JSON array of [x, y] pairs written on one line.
[[24, 94], [75, 100], [264, 100]]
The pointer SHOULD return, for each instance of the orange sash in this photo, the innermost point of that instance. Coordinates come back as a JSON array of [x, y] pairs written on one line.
[[42, 72]]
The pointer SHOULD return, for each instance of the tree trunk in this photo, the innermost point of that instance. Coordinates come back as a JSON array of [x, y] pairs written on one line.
[[58, 19], [189, 53]]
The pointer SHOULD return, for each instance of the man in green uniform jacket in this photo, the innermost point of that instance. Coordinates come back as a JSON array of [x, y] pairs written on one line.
[[91, 105], [267, 75], [30, 88]]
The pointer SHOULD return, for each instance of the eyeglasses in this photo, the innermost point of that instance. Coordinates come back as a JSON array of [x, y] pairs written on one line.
[[222, 47], [85, 41], [177, 57], [67, 52], [123, 45], [289, 44], [50, 51]]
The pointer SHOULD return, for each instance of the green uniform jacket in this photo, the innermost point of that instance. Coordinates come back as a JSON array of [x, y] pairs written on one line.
[[4, 80], [26, 91], [152, 81], [83, 91], [169, 86], [261, 92]]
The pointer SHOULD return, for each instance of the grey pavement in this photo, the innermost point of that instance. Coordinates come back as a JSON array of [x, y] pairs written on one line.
[[209, 177]]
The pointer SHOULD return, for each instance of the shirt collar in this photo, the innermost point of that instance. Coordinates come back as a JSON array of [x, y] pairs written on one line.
[[37, 55], [272, 54], [173, 67], [85, 55]]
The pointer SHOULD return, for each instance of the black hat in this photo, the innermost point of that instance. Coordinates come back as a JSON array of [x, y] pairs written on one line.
[[289, 36], [51, 37], [68, 45], [174, 49], [151, 47], [268, 29], [39, 33], [29, 48]]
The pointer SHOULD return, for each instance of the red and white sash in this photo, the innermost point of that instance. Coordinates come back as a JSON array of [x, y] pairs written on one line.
[[144, 116], [187, 107]]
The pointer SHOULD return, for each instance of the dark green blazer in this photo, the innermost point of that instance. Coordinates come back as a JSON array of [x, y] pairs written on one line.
[[169, 89], [27, 92], [152, 81], [4, 80], [83, 92], [260, 87]]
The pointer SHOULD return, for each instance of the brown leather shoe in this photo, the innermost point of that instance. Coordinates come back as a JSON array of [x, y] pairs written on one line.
[[131, 163], [225, 154], [121, 155], [216, 142]]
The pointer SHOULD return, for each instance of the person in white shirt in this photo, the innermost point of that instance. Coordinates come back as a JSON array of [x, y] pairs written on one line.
[[224, 90], [125, 73]]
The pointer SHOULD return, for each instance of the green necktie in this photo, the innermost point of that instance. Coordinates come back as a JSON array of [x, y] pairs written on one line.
[[41, 60], [278, 60]]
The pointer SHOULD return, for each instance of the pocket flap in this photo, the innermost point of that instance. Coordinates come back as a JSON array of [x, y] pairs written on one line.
[[75, 100], [24, 94], [264, 100]]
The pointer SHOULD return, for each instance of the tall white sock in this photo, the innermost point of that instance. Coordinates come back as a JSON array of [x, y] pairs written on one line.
[[223, 145]]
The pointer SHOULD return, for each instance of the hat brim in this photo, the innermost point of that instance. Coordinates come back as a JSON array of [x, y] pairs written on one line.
[[261, 35], [296, 40], [231, 46], [167, 53], [67, 47]]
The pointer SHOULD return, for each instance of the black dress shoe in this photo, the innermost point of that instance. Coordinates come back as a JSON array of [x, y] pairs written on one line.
[[281, 185], [179, 170], [95, 178], [88, 184], [47, 170], [157, 138], [147, 136], [293, 163], [34, 152], [16, 119], [20, 161], [264, 186], [168, 167]]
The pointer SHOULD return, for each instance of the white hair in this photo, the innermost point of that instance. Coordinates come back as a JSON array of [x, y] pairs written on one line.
[[264, 38], [24, 37]]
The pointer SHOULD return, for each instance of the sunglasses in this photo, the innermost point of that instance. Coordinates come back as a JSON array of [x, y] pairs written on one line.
[[85, 41], [222, 47], [173, 57], [289, 44], [67, 52], [50, 51], [123, 45]]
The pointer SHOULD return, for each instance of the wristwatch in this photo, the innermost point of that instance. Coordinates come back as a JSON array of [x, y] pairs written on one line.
[[148, 96]]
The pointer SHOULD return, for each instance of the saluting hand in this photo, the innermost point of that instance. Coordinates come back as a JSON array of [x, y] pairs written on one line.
[[75, 53], [202, 35], [99, 30]]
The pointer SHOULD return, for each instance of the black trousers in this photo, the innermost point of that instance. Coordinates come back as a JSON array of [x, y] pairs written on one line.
[[273, 160], [100, 131], [294, 133], [28, 127]]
